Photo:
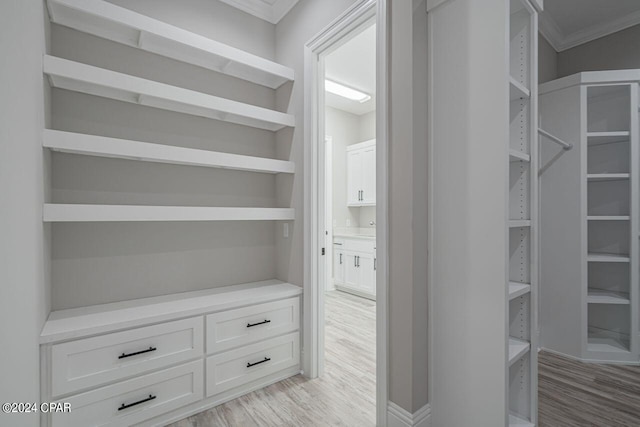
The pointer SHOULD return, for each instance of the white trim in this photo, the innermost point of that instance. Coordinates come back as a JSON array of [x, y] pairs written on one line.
[[561, 42], [358, 14], [399, 417], [271, 12]]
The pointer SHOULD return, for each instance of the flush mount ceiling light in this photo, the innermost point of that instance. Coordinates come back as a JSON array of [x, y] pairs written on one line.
[[345, 92]]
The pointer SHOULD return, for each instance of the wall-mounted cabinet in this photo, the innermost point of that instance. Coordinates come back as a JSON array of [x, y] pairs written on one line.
[[361, 174], [590, 268]]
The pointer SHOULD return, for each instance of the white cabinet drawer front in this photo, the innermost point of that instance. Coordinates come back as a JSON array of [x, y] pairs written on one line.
[[233, 328], [93, 361], [360, 245], [237, 367], [143, 398]]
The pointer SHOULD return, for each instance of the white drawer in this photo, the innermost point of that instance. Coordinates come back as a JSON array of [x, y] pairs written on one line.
[[233, 328], [143, 398], [360, 245], [243, 365], [90, 362]]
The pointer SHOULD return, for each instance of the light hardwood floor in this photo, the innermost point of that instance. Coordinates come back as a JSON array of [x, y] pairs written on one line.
[[344, 396], [576, 394]]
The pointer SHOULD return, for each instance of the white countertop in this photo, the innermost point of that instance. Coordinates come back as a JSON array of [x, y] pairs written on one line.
[[356, 233]]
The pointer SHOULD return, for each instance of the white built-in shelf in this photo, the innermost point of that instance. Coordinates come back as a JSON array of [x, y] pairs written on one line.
[[84, 321], [517, 289], [608, 218], [92, 80], [599, 296], [606, 341], [517, 90], [100, 146], [57, 212], [517, 349], [125, 26], [598, 257], [518, 156], [517, 421], [607, 176], [599, 138], [519, 223]]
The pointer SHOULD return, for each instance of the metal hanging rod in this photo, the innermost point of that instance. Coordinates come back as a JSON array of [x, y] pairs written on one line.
[[565, 145]]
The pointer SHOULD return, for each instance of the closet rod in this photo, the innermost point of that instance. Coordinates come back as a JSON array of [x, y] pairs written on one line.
[[565, 145]]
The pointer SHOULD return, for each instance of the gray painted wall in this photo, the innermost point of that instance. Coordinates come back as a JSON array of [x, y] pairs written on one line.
[[24, 251], [106, 262], [617, 51], [547, 61]]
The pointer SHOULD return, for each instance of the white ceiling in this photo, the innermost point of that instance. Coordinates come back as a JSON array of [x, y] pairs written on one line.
[[269, 10], [569, 23], [354, 65]]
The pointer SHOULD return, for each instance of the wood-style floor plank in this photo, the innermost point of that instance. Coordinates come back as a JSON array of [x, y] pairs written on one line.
[[344, 396], [577, 394]]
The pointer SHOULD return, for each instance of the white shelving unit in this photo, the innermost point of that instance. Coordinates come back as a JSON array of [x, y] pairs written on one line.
[[74, 76], [522, 214], [591, 194], [121, 25]]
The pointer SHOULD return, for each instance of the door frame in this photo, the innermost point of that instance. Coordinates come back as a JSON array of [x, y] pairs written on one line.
[[314, 181]]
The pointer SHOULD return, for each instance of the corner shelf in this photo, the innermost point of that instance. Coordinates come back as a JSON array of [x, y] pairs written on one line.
[[519, 223], [596, 177], [100, 146], [598, 296], [517, 90], [121, 25], [57, 212], [598, 257], [608, 218], [600, 138], [518, 156], [517, 289], [606, 341], [517, 349], [517, 421], [96, 81]]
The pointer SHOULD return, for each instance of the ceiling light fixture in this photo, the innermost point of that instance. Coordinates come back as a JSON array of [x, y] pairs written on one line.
[[345, 92]]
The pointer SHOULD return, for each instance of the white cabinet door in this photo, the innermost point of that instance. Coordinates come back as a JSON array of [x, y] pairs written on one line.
[[338, 266], [351, 273], [368, 195], [354, 178], [367, 273]]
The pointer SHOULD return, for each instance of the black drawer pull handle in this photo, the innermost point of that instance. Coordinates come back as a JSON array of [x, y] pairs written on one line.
[[122, 356], [123, 406], [266, 359], [251, 325]]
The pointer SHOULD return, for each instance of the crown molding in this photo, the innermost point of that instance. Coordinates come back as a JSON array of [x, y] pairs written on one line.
[[561, 42], [269, 10]]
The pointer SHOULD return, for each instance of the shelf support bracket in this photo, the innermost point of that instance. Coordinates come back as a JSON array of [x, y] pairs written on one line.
[[565, 145]]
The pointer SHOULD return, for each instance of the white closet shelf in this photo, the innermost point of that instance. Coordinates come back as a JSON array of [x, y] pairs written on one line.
[[519, 223], [608, 218], [96, 81], [517, 90], [518, 156], [125, 26], [600, 138], [595, 177], [599, 296], [100, 146], [84, 321], [57, 212], [606, 341], [517, 289], [517, 349], [598, 257], [517, 421]]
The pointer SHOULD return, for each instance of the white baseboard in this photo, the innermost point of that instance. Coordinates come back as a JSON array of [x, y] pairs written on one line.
[[399, 417]]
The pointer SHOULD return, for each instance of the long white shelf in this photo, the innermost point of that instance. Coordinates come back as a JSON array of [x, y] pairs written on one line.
[[517, 90], [91, 145], [517, 349], [517, 289], [518, 156], [519, 223], [84, 321], [598, 257], [607, 176], [58, 212], [517, 421], [598, 296], [125, 26], [600, 340], [92, 80], [600, 138], [608, 218]]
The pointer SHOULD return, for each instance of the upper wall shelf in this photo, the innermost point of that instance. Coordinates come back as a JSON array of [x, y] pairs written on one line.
[[124, 26], [607, 176], [84, 78], [57, 212], [600, 138], [100, 146]]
